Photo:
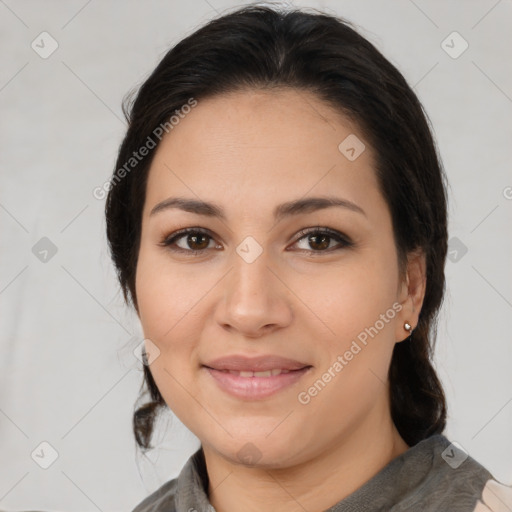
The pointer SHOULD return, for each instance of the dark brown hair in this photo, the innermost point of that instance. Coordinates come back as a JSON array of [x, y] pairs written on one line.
[[259, 47]]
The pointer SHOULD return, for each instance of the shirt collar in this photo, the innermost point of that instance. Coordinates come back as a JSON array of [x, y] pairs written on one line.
[[386, 488], [192, 485]]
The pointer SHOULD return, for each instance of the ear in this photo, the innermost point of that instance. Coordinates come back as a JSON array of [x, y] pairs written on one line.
[[411, 293]]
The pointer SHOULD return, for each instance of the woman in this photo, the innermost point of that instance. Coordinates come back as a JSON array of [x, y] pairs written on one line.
[[278, 219]]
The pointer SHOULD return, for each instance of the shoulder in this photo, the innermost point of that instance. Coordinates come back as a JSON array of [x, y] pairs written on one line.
[[457, 482], [496, 497]]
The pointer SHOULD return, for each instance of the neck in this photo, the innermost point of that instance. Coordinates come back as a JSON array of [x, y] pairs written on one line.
[[314, 485]]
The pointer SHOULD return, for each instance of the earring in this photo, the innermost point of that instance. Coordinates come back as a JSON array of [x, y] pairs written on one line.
[[408, 327]]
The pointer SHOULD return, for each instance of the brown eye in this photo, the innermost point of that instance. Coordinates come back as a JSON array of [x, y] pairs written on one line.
[[195, 241], [319, 239]]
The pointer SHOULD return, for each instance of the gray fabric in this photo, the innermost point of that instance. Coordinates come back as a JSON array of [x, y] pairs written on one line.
[[420, 479]]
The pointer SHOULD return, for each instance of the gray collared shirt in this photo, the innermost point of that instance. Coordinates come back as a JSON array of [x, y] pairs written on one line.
[[431, 476]]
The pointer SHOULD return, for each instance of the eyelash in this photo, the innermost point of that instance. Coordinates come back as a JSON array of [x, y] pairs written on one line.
[[345, 242]]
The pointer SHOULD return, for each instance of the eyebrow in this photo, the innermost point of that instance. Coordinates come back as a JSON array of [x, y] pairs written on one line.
[[296, 207]]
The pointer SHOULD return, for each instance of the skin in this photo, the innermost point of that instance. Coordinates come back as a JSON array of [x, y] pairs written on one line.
[[249, 152]]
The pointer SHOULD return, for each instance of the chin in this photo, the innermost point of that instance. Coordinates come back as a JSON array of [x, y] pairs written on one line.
[[256, 450]]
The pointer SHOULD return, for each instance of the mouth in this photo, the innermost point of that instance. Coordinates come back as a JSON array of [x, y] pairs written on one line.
[[248, 373], [255, 385], [255, 364]]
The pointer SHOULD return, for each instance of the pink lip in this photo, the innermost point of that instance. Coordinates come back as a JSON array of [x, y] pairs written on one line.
[[255, 387], [254, 364]]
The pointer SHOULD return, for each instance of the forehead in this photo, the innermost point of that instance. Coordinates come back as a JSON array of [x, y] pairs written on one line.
[[253, 148]]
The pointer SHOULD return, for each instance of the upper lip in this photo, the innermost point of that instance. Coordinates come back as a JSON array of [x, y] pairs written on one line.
[[255, 364]]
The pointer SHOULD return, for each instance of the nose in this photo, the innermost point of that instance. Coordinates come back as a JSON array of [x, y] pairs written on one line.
[[255, 300]]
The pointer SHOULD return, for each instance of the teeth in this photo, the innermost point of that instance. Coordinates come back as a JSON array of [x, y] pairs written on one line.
[[267, 373]]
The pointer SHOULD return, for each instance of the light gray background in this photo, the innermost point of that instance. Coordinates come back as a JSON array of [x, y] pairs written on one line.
[[67, 373]]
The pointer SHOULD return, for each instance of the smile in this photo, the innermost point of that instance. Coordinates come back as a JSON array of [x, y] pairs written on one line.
[[267, 373], [251, 385]]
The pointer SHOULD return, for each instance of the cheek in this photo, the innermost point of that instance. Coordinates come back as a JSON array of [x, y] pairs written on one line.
[[340, 298], [359, 310], [351, 298], [355, 359], [164, 295], [166, 309], [171, 302]]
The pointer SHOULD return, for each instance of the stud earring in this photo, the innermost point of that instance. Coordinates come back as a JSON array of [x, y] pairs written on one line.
[[408, 327]]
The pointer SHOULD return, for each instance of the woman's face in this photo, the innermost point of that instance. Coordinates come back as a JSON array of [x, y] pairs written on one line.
[[256, 286]]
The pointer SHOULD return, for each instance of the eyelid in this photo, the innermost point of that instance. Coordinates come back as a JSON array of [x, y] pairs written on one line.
[[343, 240], [180, 233], [333, 233]]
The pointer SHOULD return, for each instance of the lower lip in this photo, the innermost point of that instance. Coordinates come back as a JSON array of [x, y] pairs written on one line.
[[253, 388]]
